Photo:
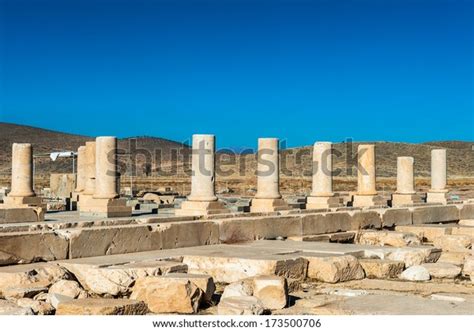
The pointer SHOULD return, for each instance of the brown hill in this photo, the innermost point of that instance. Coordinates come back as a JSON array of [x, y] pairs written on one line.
[[47, 141]]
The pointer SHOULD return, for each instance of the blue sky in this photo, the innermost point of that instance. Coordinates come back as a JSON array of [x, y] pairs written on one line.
[[299, 70]]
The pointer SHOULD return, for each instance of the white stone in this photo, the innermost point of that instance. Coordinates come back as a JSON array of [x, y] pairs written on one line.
[[415, 273], [271, 290], [242, 305]]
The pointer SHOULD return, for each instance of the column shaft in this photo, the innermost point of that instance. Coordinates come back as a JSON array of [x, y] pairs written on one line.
[[22, 171], [203, 167], [89, 187], [322, 170], [106, 168], [366, 170], [405, 178], [268, 169], [81, 169], [438, 170]]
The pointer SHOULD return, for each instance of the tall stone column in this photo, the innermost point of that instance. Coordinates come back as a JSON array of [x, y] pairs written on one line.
[[22, 195], [105, 201], [438, 192], [366, 195], [203, 168], [202, 200], [81, 169], [405, 194], [322, 195], [89, 186], [22, 171], [268, 197], [106, 168]]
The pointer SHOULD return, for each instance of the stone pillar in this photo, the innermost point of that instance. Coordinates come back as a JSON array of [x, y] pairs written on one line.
[[322, 195], [22, 171], [22, 195], [89, 186], [268, 197], [366, 195], [81, 169], [405, 194], [105, 201], [203, 168], [106, 168], [202, 200], [438, 192]]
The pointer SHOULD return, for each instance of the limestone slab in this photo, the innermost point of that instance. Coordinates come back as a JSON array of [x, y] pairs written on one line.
[[99, 306], [382, 269]]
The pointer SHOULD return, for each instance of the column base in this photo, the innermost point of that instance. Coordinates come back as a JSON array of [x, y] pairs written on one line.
[[201, 208], [260, 205], [323, 202], [437, 197], [367, 200], [24, 202], [104, 208], [409, 199]]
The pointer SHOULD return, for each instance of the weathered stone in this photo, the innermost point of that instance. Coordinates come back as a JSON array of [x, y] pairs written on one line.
[[427, 232], [238, 289], [55, 299], [19, 275], [374, 268], [464, 230], [442, 270], [23, 291], [102, 307], [468, 268], [38, 307], [456, 258], [271, 290], [435, 214], [231, 269], [117, 279], [9, 308], [203, 282], [168, 295], [415, 273], [68, 288], [466, 211], [395, 216], [313, 224], [388, 238], [334, 269], [31, 246], [365, 220], [412, 257], [242, 305], [453, 243]]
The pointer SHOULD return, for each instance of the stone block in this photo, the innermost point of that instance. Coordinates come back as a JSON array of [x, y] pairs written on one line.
[[466, 211], [105, 208], [99, 306], [453, 243], [20, 214], [277, 226], [187, 234], [435, 214], [242, 305], [427, 232], [463, 230], [395, 216], [203, 282], [365, 220], [412, 257], [168, 295], [313, 224], [28, 247], [334, 269], [271, 290], [236, 230], [268, 205], [415, 273], [388, 238], [399, 200], [9, 308], [323, 202], [456, 258], [199, 208], [442, 270], [368, 201], [382, 269]]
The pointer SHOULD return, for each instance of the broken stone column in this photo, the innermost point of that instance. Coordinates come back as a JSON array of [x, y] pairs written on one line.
[[268, 197], [202, 200], [89, 174], [22, 195], [366, 195], [438, 192], [322, 196], [405, 194], [105, 201], [81, 171]]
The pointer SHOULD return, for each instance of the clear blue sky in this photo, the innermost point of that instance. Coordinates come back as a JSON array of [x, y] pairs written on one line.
[[301, 70]]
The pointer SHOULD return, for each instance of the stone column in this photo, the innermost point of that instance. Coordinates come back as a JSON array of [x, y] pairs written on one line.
[[322, 195], [89, 186], [438, 192], [22, 195], [81, 171], [202, 200], [105, 201], [268, 197], [106, 168], [203, 168], [22, 171], [405, 194], [366, 195]]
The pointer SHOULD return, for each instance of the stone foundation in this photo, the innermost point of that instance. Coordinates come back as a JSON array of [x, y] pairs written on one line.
[[268, 205], [198, 208], [105, 208]]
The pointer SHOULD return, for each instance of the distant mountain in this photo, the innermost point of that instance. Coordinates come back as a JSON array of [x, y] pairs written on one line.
[[151, 153], [47, 141]]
